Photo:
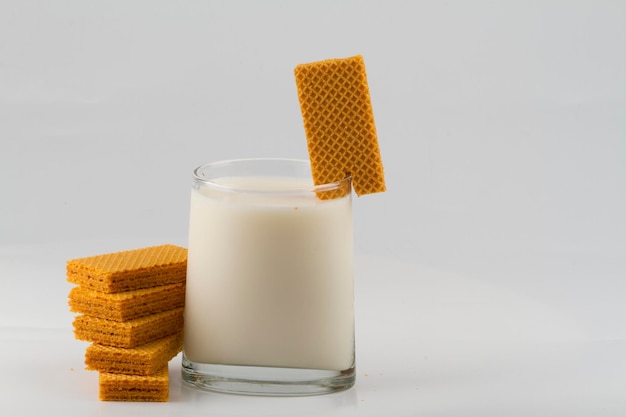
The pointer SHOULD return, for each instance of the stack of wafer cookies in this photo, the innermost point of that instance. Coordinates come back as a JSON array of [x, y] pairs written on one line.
[[130, 307]]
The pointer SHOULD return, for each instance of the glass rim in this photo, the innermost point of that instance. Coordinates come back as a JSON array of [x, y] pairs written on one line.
[[210, 182]]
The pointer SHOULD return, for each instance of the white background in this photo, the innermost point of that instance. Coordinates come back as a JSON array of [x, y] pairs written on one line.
[[491, 274]]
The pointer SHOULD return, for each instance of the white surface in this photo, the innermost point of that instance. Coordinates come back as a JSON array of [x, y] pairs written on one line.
[[491, 274], [430, 343]]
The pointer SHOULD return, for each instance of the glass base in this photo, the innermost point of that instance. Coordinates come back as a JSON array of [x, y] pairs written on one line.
[[262, 380]]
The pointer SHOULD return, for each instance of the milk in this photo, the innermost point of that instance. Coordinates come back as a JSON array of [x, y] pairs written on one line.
[[269, 278]]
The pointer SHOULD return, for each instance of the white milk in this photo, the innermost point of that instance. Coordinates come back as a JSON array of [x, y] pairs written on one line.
[[269, 278]]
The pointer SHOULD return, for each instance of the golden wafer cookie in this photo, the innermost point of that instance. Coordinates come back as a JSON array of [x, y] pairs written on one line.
[[120, 387], [130, 270], [127, 305], [339, 124], [142, 360], [128, 334]]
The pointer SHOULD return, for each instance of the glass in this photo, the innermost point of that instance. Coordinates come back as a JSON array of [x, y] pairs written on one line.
[[270, 290]]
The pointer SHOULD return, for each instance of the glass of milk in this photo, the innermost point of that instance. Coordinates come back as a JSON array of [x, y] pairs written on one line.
[[270, 292]]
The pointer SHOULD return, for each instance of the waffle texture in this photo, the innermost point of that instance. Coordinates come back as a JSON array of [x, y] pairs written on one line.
[[120, 387], [130, 270], [128, 334], [339, 124], [143, 360], [127, 305]]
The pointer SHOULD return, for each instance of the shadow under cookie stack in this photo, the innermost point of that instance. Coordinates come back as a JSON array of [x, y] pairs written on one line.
[[130, 307]]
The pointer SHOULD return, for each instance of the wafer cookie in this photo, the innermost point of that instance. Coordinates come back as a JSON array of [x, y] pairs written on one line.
[[128, 334], [120, 387], [130, 270], [339, 124], [142, 360], [127, 305]]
